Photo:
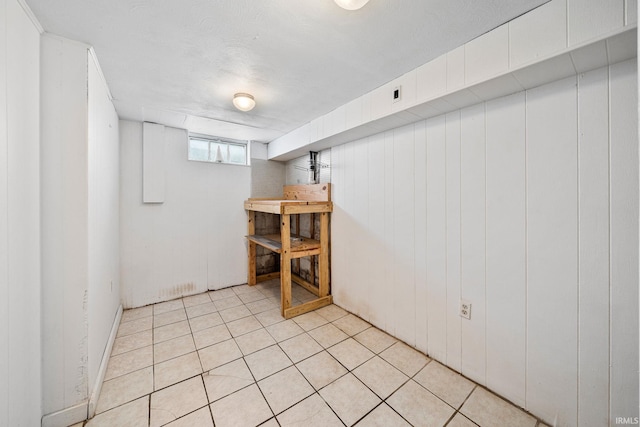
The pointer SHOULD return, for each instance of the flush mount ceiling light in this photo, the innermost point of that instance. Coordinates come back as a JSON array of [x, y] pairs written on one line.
[[243, 101], [351, 4]]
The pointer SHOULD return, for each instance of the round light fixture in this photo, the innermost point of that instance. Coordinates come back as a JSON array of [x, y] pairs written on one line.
[[351, 4], [243, 101]]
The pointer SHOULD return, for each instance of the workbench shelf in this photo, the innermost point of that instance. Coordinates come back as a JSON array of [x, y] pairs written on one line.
[[297, 199]]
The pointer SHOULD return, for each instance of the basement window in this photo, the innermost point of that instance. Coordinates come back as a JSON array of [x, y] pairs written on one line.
[[217, 150]]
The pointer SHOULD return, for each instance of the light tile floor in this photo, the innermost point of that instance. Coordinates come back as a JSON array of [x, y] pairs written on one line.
[[227, 358]]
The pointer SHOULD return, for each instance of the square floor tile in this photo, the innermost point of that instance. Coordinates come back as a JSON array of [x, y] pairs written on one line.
[[221, 294], [375, 340], [267, 361], [207, 321], [168, 332], [201, 310], [136, 313], [243, 326], [487, 409], [460, 420], [300, 347], [219, 354], [328, 335], [243, 289], [210, 336], [173, 402], [175, 370], [167, 306], [124, 389], [134, 326], [254, 341], [284, 389], [134, 413], [199, 418], [261, 306], [350, 353], [383, 416], [382, 378], [196, 300], [309, 321], [270, 317], [449, 386], [349, 398], [223, 304], [234, 313], [419, 406], [169, 317], [128, 362], [311, 412], [331, 312], [351, 325], [321, 369], [284, 330], [132, 342], [246, 407], [405, 358], [251, 296], [173, 348], [227, 379]]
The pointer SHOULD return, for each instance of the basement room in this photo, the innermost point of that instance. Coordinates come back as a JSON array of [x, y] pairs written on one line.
[[238, 213]]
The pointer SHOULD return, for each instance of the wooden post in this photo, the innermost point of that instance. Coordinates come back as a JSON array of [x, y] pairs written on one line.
[[285, 263], [312, 260], [251, 253], [323, 262], [297, 260]]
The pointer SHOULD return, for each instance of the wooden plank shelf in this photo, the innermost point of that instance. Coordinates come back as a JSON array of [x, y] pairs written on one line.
[[273, 242]]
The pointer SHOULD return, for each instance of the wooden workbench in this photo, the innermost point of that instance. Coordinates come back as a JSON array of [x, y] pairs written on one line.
[[297, 199]]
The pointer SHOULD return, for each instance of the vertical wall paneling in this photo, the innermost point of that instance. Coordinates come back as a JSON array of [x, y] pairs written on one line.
[[4, 220], [377, 261], [552, 251], [339, 245], [452, 188], [20, 267], [360, 282], [472, 232], [349, 232], [538, 33], [624, 239], [420, 234], [505, 248], [437, 239], [590, 18], [404, 219], [153, 167], [389, 232], [593, 274]]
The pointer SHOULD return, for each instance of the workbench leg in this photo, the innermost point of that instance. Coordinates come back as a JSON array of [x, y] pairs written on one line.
[[251, 253], [323, 259], [285, 263]]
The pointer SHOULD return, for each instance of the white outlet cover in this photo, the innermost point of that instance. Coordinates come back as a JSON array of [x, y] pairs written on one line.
[[465, 309]]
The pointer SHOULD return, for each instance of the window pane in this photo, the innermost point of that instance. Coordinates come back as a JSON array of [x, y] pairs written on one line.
[[237, 154], [198, 150]]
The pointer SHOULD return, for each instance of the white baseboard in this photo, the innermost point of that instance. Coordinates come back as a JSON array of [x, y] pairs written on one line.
[[95, 393], [66, 417]]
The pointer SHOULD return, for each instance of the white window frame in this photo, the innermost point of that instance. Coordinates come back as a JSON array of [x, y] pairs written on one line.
[[222, 141]]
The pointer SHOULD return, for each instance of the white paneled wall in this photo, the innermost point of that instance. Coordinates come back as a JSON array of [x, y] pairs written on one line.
[[191, 242], [20, 296], [527, 206]]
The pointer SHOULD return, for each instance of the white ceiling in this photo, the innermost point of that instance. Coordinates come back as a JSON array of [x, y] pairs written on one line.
[[180, 62]]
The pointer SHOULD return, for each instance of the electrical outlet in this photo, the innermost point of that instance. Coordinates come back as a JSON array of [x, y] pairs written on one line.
[[465, 309], [397, 93]]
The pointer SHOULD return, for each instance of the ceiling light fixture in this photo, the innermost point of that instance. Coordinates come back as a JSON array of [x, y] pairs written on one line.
[[351, 4], [243, 101]]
